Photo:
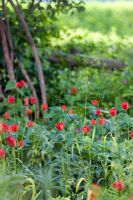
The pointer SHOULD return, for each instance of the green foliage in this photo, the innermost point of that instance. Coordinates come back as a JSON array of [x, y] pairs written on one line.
[[109, 87], [52, 35], [15, 186], [102, 18], [62, 165]]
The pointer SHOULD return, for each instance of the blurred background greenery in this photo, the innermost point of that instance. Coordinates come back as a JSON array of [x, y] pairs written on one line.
[[65, 38]]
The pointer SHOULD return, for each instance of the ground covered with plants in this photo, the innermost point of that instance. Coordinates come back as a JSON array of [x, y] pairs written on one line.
[[69, 151], [75, 143]]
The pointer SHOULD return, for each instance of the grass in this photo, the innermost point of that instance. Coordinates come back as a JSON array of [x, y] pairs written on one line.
[[103, 18], [104, 30]]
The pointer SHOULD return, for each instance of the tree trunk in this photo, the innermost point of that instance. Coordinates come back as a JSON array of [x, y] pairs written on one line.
[[7, 29], [6, 53], [34, 50], [90, 61], [2, 96], [12, 55]]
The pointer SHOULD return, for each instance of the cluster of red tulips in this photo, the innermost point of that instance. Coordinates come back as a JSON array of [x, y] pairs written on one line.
[[13, 128], [85, 129]]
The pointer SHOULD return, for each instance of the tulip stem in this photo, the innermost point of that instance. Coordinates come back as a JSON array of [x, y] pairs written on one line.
[[93, 134], [14, 156], [35, 112]]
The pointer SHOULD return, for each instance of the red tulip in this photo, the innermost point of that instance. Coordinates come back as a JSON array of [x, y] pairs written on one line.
[[94, 192], [20, 84], [11, 100], [125, 105], [11, 141], [28, 111], [26, 101], [4, 128], [73, 90], [2, 153], [63, 107], [70, 112], [118, 185], [85, 129], [44, 106], [13, 128], [113, 112], [32, 100], [30, 124], [98, 111], [21, 143], [17, 84], [130, 198], [101, 121], [59, 126], [94, 102], [131, 134], [6, 115], [93, 122], [95, 186]]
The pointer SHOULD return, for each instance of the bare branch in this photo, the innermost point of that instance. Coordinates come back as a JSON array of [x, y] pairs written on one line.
[[8, 30], [2, 96], [6, 53], [34, 50], [90, 61]]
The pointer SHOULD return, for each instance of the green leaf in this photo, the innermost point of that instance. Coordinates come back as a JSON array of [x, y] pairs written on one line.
[[10, 85]]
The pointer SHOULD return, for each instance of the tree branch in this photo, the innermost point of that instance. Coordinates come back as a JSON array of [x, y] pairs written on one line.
[[24, 72], [95, 62], [8, 31], [6, 53], [34, 50], [2, 96]]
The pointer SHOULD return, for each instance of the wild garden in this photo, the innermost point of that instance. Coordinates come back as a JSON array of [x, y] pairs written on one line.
[[66, 100]]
